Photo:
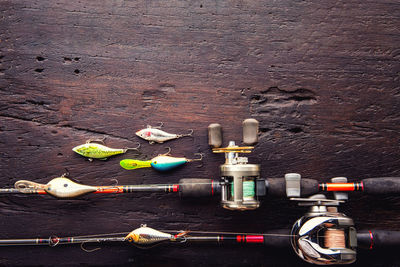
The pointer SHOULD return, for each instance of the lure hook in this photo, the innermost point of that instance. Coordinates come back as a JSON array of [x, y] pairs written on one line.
[[88, 250], [199, 159], [26, 186], [65, 174], [184, 239], [166, 154], [115, 181], [156, 127], [159, 126], [100, 140], [189, 134], [132, 148], [181, 234]]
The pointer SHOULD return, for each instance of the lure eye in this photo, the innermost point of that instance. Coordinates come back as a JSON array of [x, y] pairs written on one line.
[[155, 162]]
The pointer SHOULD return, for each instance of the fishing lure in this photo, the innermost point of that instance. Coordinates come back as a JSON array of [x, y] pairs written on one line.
[[60, 187], [155, 135], [160, 163], [145, 236], [93, 150]]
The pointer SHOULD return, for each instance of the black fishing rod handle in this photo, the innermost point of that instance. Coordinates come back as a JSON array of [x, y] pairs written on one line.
[[378, 239], [277, 238], [197, 187], [277, 187], [382, 185]]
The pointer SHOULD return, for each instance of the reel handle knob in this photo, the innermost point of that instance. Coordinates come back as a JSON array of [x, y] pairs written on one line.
[[250, 131], [215, 135]]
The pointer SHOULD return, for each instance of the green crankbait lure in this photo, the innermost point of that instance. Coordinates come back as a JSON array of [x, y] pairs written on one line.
[[160, 163], [98, 151]]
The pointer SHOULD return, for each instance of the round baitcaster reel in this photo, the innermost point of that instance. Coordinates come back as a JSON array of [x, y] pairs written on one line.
[[324, 235], [239, 179], [241, 184]]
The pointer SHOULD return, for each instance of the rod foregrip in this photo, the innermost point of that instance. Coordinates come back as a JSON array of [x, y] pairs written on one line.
[[277, 238], [380, 186], [194, 187], [375, 239], [277, 187]]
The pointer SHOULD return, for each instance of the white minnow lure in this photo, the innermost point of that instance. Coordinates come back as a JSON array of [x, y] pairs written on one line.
[[60, 187], [154, 135], [145, 236], [97, 151]]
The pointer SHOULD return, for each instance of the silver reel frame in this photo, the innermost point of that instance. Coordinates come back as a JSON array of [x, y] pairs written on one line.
[[308, 233]]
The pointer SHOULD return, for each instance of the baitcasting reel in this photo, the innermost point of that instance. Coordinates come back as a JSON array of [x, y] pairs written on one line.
[[240, 182], [324, 235]]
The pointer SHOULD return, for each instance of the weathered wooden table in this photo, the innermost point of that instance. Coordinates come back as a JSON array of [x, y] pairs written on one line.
[[322, 77]]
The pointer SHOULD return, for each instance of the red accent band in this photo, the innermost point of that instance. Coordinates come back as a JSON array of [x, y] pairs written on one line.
[[175, 187], [362, 186], [212, 187], [106, 190], [340, 186], [239, 238], [255, 239], [221, 238], [372, 240]]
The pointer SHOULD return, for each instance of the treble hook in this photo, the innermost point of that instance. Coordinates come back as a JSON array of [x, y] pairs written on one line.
[[156, 127], [66, 173], [181, 234], [115, 180], [184, 239], [132, 148], [201, 157], [88, 250], [159, 126], [188, 134], [166, 154], [100, 140]]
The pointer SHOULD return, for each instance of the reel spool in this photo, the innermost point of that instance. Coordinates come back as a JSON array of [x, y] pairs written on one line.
[[241, 184], [324, 235]]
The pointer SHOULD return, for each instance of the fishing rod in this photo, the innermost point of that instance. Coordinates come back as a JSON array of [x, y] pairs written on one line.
[[322, 236], [240, 186], [63, 187]]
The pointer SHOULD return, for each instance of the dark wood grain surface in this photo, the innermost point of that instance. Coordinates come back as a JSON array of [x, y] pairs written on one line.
[[322, 77]]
